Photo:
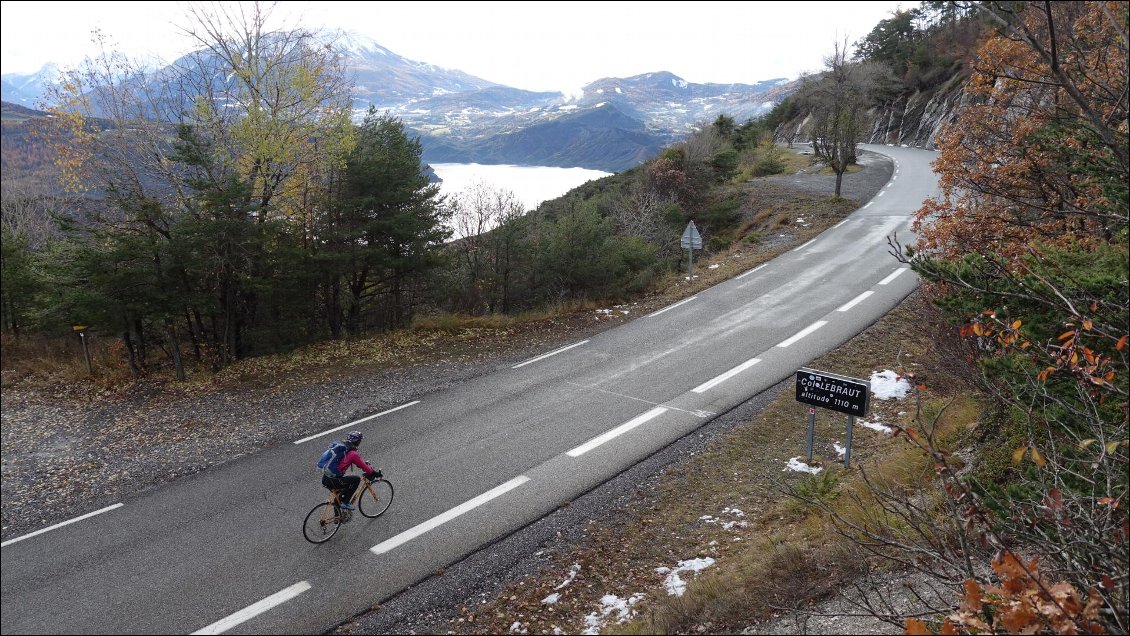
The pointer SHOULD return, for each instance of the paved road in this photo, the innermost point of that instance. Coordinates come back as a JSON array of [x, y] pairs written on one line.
[[222, 551]]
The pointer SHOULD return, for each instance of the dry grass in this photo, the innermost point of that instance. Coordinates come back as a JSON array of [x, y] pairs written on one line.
[[38, 360]]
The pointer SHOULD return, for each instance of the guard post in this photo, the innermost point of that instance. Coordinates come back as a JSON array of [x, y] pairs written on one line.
[[81, 330]]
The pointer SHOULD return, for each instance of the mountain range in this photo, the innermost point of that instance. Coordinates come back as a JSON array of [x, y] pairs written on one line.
[[614, 124]]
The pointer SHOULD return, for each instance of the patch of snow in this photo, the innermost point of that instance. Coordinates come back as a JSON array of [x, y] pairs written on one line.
[[877, 426], [619, 91], [674, 584], [840, 450], [796, 465], [516, 628], [568, 107], [888, 385], [573, 572], [611, 603], [552, 598]]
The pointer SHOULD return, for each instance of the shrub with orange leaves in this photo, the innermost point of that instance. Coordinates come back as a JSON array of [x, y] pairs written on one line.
[[1023, 603]]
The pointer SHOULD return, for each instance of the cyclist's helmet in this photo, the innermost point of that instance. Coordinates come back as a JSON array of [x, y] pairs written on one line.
[[354, 438]]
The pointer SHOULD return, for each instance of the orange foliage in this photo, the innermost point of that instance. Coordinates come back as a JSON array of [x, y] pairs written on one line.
[[1023, 603], [1029, 156]]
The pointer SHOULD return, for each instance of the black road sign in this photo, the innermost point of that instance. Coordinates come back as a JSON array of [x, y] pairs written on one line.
[[831, 391]]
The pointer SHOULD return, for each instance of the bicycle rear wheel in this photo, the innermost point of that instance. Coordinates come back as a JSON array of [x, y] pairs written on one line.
[[321, 524], [375, 498]]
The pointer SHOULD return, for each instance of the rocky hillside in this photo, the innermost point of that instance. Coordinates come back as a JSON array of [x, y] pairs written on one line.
[[912, 119], [916, 119]]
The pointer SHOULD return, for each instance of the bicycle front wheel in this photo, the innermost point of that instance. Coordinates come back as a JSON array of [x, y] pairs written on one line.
[[375, 498], [321, 524]]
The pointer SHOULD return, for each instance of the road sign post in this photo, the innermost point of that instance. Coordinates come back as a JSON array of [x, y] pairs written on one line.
[[811, 429], [836, 392], [81, 329], [691, 241]]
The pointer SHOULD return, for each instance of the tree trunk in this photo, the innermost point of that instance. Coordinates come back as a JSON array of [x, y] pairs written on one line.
[[193, 336], [174, 350], [131, 356], [333, 308], [142, 345]]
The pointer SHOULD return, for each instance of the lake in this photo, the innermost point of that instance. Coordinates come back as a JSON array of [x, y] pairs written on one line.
[[531, 184]]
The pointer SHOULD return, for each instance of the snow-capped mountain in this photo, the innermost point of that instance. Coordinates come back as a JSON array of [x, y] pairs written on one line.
[[387, 80], [29, 89], [612, 125]]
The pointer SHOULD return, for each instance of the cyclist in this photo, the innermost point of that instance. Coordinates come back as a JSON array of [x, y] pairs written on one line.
[[348, 484]]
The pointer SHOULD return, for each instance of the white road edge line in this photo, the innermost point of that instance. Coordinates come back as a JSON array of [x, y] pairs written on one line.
[[616, 432], [551, 353], [364, 419], [706, 386], [435, 522], [839, 224], [753, 270], [251, 611], [669, 307], [893, 275], [60, 525], [855, 301], [805, 245], [804, 332]]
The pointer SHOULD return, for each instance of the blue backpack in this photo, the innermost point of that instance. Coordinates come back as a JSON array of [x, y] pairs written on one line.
[[330, 460]]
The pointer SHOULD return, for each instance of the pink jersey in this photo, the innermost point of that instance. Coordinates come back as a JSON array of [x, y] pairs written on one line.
[[353, 458]]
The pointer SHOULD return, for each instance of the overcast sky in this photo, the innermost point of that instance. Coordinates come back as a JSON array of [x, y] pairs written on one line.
[[531, 45]]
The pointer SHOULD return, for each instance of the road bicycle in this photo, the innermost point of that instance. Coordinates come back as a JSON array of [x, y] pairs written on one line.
[[371, 499]]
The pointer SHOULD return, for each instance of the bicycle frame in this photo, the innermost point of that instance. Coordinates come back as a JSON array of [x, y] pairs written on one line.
[[371, 499]]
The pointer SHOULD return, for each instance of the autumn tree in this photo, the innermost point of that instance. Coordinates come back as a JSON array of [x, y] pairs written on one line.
[[222, 147], [838, 101], [1027, 248], [1039, 154]]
